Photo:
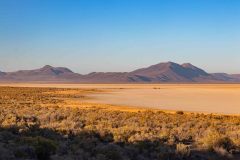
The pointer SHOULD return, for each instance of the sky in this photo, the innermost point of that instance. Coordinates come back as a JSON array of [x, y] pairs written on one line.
[[119, 35]]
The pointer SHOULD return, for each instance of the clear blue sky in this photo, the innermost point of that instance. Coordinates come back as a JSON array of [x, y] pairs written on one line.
[[119, 35]]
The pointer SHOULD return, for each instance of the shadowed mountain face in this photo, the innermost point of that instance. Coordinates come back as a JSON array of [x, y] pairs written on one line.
[[2, 73], [49, 70], [236, 75], [46, 70], [162, 72], [46, 73], [225, 77], [172, 72]]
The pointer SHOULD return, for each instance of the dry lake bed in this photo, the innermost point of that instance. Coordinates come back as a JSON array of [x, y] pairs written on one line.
[[209, 98]]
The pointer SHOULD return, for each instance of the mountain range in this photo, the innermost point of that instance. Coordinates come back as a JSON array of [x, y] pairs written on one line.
[[167, 72]]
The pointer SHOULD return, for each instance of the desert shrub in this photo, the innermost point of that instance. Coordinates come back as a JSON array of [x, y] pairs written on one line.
[[43, 147], [225, 143], [100, 133], [180, 112], [182, 150], [25, 152], [111, 152], [222, 152], [106, 136], [214, 139]]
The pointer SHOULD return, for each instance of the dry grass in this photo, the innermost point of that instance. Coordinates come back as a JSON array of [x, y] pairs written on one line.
[[60, 123], [204, 98]]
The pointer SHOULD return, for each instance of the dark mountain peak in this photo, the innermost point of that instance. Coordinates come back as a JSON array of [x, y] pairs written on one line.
[[160, 67], [47, 67], [169, 63], [188, 65], [65, 70], [54, 70], [170, 71], [2, 73], [164, 66]]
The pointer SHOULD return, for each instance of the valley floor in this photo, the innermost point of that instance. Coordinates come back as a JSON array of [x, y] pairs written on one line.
[[66, 122], [204, 98]]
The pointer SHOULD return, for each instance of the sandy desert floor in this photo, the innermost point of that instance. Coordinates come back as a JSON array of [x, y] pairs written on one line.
[[208, 98]]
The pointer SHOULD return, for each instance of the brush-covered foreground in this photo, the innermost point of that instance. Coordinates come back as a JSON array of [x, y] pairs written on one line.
[[50, 123]]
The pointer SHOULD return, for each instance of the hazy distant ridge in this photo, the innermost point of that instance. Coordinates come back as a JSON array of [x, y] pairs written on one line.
[[162, 72]]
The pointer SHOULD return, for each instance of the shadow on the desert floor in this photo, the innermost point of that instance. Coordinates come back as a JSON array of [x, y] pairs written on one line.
[[43, 144]]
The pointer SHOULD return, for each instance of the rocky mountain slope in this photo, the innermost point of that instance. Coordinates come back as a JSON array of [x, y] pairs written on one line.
[[163, 72]]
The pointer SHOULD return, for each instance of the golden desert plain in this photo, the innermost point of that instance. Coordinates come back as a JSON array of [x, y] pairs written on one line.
[[202, 98], [120, 121]]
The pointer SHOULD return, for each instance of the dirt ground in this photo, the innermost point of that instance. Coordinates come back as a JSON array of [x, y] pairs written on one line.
[[207, 98]]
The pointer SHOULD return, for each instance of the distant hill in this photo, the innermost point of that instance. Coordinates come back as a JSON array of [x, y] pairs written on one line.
[[2, 73], [236, 75], [46, 73], [171, 72], [163, 72]]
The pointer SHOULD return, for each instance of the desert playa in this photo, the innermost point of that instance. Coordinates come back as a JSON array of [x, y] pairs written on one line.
[[194, 98], [206, 98]]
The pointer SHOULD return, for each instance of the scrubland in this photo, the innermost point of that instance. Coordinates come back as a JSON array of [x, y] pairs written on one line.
[[58, 124]]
